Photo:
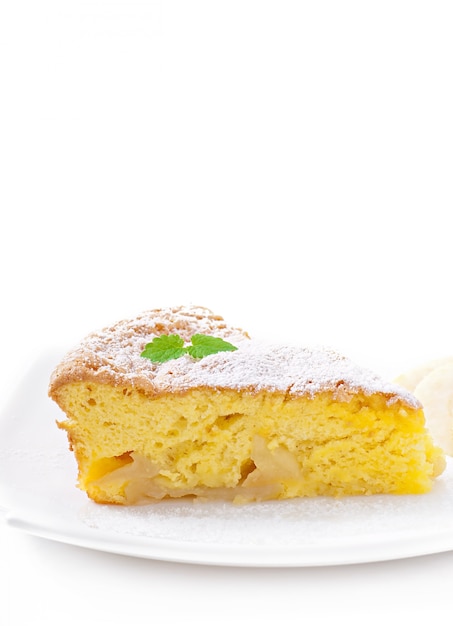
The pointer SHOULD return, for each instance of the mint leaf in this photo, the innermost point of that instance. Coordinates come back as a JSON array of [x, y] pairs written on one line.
[[164, 348], [203, 345], [167, 347]]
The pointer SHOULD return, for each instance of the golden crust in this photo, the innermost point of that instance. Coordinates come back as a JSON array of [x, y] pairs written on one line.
[[112, 356]]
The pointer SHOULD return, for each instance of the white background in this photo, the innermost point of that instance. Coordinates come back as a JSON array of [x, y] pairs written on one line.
[[287, 164]]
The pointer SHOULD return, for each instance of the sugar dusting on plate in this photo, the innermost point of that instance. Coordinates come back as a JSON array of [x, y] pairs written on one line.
[[298, 522]]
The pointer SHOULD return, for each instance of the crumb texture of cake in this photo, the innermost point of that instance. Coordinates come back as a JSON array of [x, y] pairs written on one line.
[[262, 422]]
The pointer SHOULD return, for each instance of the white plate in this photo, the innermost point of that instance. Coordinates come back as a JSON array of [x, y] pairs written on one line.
[[37, 493]]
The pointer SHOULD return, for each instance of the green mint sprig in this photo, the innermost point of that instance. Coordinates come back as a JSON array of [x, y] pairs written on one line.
[[168, 347]]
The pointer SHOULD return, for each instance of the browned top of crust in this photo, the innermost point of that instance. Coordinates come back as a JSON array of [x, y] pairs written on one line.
[[112, 356]]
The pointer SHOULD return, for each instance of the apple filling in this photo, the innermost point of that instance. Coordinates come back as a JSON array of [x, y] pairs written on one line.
[[263, 477]]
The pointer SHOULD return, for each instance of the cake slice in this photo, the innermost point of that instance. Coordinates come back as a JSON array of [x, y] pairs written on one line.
[[257, 423]]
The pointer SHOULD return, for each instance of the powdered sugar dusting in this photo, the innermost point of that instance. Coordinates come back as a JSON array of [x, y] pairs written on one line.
[[284, 369], [113, 356]]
